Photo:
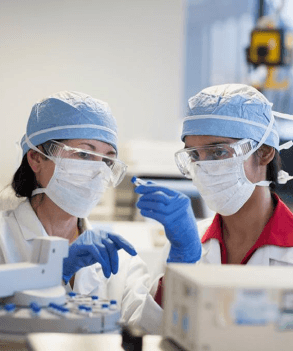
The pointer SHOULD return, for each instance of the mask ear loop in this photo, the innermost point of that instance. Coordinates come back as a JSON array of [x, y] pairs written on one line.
[[284, 177], [38, 190], [263, 139]]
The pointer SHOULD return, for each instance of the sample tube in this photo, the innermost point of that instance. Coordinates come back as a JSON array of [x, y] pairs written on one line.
[[137, 181]]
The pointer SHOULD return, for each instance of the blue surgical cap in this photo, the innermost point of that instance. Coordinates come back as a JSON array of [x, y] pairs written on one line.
[[70, 115], [230, 110]]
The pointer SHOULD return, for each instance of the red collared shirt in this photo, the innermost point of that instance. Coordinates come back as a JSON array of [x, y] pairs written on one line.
[[278, 231]]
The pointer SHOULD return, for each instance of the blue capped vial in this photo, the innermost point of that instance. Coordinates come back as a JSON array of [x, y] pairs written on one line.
[[113, 305], [58, 309], [63, 310], [72, 294], [83, 308], [10, 307], [137, 181], [35, 308]]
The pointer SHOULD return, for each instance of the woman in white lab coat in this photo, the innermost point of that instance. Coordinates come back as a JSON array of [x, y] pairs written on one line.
[[69, 158], [232, 156]]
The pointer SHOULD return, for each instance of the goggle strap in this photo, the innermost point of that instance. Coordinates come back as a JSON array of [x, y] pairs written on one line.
[[283, 115], [264, 137], [35, 148], [283, 177], [286, 145]]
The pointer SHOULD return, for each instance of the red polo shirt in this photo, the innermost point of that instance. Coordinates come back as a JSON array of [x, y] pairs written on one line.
[[278, 231]]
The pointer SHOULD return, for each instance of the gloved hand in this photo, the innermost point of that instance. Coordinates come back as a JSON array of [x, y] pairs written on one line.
[[90, 248], [172, 209]]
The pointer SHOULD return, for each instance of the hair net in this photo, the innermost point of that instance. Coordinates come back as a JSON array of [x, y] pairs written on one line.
[[70, 115], [232, 111]]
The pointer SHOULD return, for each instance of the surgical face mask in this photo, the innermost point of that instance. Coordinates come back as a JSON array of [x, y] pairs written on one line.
[[76, 186], [223, 184]]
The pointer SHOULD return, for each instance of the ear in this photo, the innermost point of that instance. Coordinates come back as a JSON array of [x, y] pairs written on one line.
[[266, 154], [34, 159]]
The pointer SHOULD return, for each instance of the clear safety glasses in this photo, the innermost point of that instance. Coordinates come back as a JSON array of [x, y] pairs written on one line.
[[62, 151], [185, 157]]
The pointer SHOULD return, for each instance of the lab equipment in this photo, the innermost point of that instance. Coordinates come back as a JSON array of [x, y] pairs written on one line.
[[90, 248], [172, 209], [70, 115], [32, 298], [270, 45], [228, 307], [78, 314], [267, 46], [37, 281], [100, 342]]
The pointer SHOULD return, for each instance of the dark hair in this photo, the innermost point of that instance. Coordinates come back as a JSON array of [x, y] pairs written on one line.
[[273, 169], [24, 180]]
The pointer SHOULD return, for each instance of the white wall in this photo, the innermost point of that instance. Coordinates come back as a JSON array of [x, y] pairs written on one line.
[[126, 52]]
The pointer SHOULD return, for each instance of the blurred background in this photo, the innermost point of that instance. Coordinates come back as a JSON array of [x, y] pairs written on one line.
[[145, 58]]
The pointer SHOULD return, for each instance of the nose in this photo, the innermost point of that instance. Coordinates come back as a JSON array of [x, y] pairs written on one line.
[[202, 155]]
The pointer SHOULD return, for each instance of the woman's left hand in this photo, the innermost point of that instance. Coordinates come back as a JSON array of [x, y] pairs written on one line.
[[90, 248]]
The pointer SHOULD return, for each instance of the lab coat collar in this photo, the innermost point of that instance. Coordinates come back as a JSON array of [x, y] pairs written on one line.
[[33, 227], [211, 252], [280, 257]]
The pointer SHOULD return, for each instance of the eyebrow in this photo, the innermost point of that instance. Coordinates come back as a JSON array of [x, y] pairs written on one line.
[[110, 153]]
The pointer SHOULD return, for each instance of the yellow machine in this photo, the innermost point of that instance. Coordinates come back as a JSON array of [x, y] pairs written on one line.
[[272, 47], [267, 47]]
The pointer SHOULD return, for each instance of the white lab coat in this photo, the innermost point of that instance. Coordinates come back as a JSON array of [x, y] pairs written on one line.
[[131, 286]]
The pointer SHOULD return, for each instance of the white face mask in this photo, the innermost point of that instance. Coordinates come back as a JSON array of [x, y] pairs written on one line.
[[76, 185], [223, 184]]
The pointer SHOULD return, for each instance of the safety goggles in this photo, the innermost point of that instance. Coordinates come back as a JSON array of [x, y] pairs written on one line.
[[185, 157], [62, 152]]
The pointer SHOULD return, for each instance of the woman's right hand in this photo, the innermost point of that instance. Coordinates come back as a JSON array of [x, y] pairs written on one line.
[[172, 209]]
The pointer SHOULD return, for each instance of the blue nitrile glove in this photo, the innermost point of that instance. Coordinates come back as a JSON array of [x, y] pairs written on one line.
[[172, 209], [90, 248]]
